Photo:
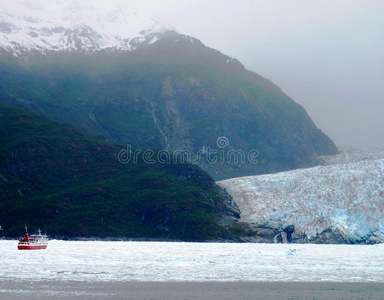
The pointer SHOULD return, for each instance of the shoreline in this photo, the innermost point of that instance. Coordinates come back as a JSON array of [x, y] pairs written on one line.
[[11, 289]]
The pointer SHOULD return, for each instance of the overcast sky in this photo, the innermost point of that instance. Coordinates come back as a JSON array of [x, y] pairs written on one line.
[[326, 55]]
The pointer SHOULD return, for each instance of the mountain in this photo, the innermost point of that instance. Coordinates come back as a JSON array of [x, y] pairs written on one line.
[[338, 203], [142, 84], [85, 26], [73, 185]]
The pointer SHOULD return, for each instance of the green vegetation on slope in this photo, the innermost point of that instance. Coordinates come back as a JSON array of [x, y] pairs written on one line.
[[175, 94], [56, 178]]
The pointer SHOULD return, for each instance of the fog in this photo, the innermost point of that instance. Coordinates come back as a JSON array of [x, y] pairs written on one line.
[[326, 55]]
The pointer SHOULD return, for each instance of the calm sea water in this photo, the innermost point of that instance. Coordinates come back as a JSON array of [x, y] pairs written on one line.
[[164, 261]]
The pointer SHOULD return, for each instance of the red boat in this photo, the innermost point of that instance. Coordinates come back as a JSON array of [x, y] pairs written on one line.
[[33, 242]]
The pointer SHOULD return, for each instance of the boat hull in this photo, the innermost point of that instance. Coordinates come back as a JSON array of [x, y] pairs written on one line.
[[32, 247]]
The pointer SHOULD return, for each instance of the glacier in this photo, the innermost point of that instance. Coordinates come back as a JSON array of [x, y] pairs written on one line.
[[341, 201], [74, 25]]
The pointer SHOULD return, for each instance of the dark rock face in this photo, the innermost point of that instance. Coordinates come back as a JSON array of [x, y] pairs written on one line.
[[263, 234], [289, 230], [229, 211], [268, 234], [328, 236]]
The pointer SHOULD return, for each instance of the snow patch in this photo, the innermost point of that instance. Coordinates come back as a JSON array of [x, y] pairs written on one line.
[[229, 60], [74, 25]]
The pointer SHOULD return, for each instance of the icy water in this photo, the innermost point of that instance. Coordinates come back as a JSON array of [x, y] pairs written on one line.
[[95, 261]]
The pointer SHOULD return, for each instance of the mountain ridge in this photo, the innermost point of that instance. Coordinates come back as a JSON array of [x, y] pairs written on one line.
[[177, 90], [73, 25], [162, 90]]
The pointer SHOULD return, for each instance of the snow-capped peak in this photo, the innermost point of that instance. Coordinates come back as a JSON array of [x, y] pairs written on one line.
[[71, 25]]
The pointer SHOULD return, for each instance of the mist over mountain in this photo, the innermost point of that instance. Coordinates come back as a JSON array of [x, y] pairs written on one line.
[[109, 73]]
